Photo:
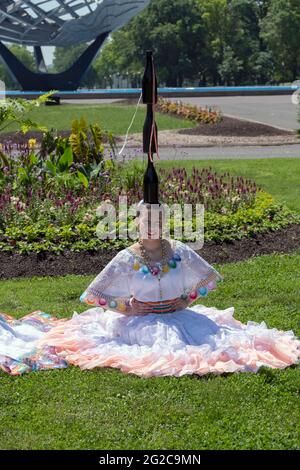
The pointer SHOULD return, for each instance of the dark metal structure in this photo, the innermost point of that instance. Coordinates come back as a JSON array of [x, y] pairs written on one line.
[[40, 23]]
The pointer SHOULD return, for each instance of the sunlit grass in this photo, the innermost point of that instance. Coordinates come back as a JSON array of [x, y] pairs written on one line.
[[108, 409], [110, 117]]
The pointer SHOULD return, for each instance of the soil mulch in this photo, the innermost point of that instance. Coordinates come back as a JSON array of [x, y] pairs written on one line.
[[229, 126], [20, 138], [14, 265]]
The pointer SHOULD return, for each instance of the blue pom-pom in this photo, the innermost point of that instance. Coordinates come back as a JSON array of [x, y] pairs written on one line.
[[144, 269], [202, 291]]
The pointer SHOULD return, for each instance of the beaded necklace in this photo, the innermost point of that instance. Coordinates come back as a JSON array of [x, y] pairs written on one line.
[[156, 268], [146, 257]]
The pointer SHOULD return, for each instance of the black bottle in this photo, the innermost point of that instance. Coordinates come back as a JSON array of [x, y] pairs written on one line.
[[147, 132], [147, 82], [150, 184]]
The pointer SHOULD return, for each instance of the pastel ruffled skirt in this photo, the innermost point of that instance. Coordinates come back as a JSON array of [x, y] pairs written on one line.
[[197, 340]]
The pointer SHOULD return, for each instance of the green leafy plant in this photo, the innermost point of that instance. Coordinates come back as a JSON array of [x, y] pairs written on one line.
[[16, 110], [4, 161], [87, 142], [52, 143]]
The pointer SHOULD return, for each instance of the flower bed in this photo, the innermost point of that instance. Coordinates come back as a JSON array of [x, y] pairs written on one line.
[[178, 108], [46, 210], [264, 215]]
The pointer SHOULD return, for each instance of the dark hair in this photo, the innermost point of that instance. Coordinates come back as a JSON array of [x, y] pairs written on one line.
[[148, 205]]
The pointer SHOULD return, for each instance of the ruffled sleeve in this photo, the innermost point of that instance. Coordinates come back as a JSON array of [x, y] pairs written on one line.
[[111, 287], [199, 277]]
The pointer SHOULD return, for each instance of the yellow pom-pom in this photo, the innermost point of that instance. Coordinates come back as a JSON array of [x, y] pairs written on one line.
[[122, 307], [136, 266], [165, 268]]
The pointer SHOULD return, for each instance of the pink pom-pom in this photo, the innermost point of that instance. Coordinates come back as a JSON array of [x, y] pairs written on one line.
[[193, 295], [155, 271], [211, 285]]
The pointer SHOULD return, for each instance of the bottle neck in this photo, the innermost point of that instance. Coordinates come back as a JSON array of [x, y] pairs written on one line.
[[150, 163], [149, 57]]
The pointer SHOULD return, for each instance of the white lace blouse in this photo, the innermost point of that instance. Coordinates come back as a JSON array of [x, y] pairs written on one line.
[[185, 275]]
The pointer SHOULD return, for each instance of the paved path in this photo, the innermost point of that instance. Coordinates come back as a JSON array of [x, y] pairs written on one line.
[[203, 153], [276, 110]]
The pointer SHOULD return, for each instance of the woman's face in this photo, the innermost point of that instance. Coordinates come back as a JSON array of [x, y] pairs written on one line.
[[150, 221]]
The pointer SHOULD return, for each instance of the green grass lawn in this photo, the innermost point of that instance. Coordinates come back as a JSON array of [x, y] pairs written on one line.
[[114, 118], [107, 409]]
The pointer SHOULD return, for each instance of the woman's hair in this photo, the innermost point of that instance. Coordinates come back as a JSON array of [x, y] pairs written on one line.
[[146, 205]]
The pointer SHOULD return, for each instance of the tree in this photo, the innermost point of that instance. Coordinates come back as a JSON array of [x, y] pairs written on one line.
[[263, 68], [230, 68], [116, 58], [25, 56], [64, 57], [217, 25], [173, 30], [280, 29], [232, 28]]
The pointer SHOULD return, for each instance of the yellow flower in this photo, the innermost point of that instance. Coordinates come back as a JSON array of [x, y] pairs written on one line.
[[1, 146], [31, 143]]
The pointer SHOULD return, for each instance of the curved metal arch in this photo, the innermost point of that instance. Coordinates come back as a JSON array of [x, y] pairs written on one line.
[[60, 23], [63, 22]]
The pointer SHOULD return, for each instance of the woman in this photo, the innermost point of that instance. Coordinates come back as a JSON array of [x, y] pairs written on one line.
[[141, 321]]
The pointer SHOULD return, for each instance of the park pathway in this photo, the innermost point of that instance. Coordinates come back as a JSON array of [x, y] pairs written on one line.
[[221, 152]]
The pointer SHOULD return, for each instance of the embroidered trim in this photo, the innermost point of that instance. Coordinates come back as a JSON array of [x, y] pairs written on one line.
[[118, 266], [189, 257], [105, 300], [203, 287]]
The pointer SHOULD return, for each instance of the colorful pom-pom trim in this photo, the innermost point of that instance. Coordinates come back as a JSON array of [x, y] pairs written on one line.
[[91, 299], [158, 268]]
